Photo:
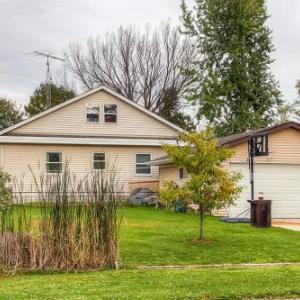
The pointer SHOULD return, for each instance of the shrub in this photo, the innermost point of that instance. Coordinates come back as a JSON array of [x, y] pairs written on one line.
[[209, 184], [5, 190]]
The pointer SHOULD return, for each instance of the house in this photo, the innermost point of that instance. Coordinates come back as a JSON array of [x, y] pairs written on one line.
[[276, 176], [88, 132]]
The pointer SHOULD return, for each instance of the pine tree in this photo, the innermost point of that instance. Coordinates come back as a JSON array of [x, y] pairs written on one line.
[[232, 83]]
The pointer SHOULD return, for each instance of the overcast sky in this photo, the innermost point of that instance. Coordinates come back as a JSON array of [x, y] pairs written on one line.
[[28, 25]]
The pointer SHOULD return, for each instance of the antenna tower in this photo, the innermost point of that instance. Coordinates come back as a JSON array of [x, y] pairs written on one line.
[[48, 73]]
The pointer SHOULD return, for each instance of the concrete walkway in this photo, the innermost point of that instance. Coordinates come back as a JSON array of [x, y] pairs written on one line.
[[243, 265], [292, 224]]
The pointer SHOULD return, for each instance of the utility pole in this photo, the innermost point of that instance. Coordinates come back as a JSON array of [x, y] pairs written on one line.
[[48, 73]]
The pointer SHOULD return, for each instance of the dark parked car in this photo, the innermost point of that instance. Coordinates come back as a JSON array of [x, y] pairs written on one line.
[[143, 196]]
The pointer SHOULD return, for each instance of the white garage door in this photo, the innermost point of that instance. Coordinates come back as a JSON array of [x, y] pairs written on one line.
[[278, 182]]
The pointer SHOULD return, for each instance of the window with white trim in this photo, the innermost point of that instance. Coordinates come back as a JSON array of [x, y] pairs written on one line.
[[141, 167], [110, 113], [92, 114], [54, 162], [99, 161]]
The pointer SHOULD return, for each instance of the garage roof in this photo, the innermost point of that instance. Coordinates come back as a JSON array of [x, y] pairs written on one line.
[[235, 139], [244, 136]]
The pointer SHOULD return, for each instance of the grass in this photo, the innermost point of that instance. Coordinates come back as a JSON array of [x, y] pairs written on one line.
[[75, 228], [133, 284], [156, 237], [153, 237]]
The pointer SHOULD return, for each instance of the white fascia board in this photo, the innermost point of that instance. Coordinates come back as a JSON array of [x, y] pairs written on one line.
[[166, 161], [84, 141]]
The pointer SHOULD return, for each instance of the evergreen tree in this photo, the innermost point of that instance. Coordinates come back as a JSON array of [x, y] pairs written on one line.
[[38, 101], [232, 82]]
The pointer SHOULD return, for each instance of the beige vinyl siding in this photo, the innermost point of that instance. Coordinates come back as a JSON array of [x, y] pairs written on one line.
[[170, 173], [152, 185], [71, 121], [17, 158], [284, 148]]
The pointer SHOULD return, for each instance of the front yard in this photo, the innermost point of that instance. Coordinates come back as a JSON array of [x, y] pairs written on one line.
[[153, 237], [132, 284]]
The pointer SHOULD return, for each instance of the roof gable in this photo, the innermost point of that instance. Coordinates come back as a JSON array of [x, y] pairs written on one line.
[[243, 137], [134, 110], [233, 140]]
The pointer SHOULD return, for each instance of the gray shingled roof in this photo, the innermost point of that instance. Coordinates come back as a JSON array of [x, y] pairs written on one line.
[[235, 139]]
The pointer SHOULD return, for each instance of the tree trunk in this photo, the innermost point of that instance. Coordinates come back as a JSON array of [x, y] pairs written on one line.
[[201, 215]]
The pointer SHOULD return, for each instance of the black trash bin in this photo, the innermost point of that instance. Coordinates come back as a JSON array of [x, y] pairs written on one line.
[[260, 213]]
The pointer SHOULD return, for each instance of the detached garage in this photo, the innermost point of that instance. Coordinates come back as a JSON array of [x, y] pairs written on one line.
[[276, 176], [277, 182]]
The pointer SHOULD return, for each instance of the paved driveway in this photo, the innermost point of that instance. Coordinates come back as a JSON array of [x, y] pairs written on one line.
[[287, 223]]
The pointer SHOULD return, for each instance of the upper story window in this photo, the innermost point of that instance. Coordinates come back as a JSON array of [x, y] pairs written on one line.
[[92, 114], [141, 167], [99, 161], [110, 113], [53, 162]]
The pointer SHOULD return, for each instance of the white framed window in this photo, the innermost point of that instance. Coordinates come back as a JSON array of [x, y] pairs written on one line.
[[53, 162], [141, 168], [110, 113], [92, 113], [99, 161]]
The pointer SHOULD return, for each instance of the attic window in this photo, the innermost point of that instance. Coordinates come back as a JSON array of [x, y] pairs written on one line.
[[110, 113], [92, 114]]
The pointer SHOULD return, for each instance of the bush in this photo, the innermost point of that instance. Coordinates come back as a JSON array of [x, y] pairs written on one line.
[[5, 190]]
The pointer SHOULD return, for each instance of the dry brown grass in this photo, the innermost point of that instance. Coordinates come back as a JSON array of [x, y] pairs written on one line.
[[77, 229]]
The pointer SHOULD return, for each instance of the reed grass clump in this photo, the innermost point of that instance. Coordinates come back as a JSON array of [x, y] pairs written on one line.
[[68, 224]]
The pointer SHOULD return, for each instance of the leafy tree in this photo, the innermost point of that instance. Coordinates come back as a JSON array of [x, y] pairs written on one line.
[[10, 113], [38, 101], [232, 82], [171, 108], [5, 191], [209, 184], [290, 111]]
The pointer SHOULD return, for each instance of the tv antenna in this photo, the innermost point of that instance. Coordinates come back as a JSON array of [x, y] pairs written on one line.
[[48, 73]]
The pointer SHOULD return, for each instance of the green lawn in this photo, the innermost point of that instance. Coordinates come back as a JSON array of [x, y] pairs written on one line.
[[133, 284], [154, 237], [157, 237], [151, 237]]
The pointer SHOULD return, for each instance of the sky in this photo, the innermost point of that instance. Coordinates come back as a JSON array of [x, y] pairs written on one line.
[[49, 26]]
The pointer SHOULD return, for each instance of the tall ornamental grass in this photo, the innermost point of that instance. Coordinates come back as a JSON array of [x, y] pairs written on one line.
[[68, 224]]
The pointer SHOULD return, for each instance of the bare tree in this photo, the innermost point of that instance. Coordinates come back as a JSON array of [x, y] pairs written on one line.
[[144, 67]]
